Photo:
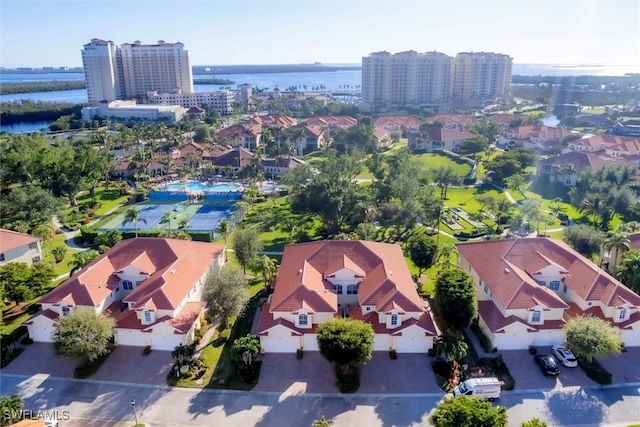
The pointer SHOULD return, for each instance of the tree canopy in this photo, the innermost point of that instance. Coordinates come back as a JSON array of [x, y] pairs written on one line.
[[423, 250], [246, 245], [628, 271], [83, 335], [21, 282], [455, 300], [464, 411], [589, 336], [346, 342], [225, 293]]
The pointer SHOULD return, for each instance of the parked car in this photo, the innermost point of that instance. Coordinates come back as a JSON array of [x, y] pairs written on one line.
[[547, 364], [565, 356]]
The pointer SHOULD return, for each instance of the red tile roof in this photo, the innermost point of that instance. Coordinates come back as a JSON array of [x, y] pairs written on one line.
[[445, 135], [12, 239], [305, 266], [174, 267], [505, 266], [332, 121]]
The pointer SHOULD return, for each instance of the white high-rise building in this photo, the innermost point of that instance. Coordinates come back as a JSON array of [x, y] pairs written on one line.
[[481, 76], [132, 70], [432, 79], [101, 71]]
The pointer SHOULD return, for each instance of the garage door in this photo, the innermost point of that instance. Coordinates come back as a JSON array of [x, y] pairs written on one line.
[[280, 344], [512, 342], [166, 343], [412, 341], [41, 334], [630, 338], [381, 342], [310, 342]]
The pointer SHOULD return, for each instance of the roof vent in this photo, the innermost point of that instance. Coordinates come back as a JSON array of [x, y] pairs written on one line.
[[390, 273], [300, 271], [506, 270], [173, 271]]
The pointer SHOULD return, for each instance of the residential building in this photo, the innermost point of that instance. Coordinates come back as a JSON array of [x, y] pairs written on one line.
[[131, 111], [541, 138], [280, 165], [481, 77], [133, 69], [243, 135], [528, 288], [400, 124], [220, 101], [566, 168], [368, 281], [332, 122], [433, 79], [438, 138], [19, 247], [151, 287]]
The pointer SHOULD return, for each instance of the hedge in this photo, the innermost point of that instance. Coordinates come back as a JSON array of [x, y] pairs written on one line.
[[198, 236]]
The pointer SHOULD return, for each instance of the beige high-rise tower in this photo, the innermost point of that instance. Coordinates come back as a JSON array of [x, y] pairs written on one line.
[[133, 69]]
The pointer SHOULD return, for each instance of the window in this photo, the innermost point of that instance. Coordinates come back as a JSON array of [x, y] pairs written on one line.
[[65, 311], [554, 285], [1, 257], [486, 290], [338, 289], [127, 285], [147, 316], [35, 259], [33, 245], [536, 316], [118, 289], [368, 308], [564, 289], [352, 289], [394, 320], [303, 319], [623, 314]]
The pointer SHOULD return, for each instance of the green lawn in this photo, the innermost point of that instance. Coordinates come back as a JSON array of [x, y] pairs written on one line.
[[61, 267], [108, 199], [429, 161], [466, 198]]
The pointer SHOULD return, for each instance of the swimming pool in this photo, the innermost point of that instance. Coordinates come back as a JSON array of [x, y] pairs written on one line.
[[196, 186]]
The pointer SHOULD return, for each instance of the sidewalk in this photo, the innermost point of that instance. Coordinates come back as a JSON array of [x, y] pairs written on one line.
[[476, 344]]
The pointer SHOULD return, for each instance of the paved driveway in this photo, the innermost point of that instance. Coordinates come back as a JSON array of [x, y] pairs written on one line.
[[125, 364], [624, 368], [528, 376], [409, 373]]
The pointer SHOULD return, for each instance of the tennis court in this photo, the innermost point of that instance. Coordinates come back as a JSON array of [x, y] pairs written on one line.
[[203, 216]]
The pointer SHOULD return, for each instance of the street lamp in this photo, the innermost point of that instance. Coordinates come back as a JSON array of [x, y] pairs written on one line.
[[133, 405]]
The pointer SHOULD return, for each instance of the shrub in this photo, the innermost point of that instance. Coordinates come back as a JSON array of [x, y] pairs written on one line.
[[595, 371], [88, 234], [393, 355], [225, 334], [532, 350], [485, 342], [299, 354], [147, 350], [431, 352], [26, 340]]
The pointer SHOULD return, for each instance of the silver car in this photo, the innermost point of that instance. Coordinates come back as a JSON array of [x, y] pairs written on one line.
[[565, 356]]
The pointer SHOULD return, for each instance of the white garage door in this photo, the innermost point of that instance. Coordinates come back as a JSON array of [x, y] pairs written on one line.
[[166, 343], [630, 338], [280, 344], [412, 341], [381, 342], [310, 342], [41, 334], [512, 342]]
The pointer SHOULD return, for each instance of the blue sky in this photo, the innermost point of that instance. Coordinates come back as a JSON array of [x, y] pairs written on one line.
[[36, 33]]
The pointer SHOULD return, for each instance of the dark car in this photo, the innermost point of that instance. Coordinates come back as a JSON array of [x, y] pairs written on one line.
[[547, 365]]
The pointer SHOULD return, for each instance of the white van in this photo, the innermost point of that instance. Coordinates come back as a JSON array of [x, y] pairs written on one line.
[[487, 388]]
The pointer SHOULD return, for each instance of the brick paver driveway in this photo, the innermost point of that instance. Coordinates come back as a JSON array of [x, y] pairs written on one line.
[[125, 364], [410, 373], [623, 368]]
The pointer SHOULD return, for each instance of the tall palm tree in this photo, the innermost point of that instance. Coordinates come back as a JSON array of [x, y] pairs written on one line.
[[628, 271], [223, 227], [80, 259], [168, 216], [180, 352], [617, 242], [133, 216]]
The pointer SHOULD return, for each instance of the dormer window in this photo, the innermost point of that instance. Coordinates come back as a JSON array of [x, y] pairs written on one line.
[[554, 285], [394, 320], [536, 316], [337, 289], [352, 289], [65, 311], [147, 316], [622, 314], [127, 285], [303, 320]]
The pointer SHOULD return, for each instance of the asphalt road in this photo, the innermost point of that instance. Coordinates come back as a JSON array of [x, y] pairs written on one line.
[[95, 403]]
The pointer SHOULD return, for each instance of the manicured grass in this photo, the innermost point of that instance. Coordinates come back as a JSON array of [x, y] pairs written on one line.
[[592, 110], [61, 267], [108, 199], [466, 198], [430, 161]]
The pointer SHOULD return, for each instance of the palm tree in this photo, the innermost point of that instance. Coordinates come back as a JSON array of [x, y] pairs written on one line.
[[593, 204], [133, 215], [223, 227], [81, 259], [11, 406], [446, 254], [168, 216], [618, 242], [180, 353], [268, 268], [451, 345], [628, 271]]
